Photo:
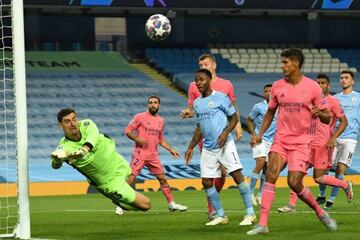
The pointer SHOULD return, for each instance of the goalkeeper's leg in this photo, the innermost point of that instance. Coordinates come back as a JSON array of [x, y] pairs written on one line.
[[141, 203]]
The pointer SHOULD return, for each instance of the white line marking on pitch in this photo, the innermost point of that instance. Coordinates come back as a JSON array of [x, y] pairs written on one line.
[[190, 210]]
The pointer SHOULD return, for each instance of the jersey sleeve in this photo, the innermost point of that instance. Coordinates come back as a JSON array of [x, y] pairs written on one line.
[[161, 134], [336, 108], [92, 131], [192, 94], [231, 92], [254, 112], [133, 124], [227, 106], [318, 99], [273, 103]]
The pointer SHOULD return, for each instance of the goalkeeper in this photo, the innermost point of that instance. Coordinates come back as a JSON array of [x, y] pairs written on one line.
[[94, 155]]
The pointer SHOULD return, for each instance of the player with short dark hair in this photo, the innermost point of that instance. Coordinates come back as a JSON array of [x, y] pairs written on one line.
[[94, 155], [322, 146], [216, 118], [296, 98], [261, 150], [347, 141], [208, 61]]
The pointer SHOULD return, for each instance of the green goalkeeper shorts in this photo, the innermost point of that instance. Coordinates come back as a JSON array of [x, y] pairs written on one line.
[[117, 189]]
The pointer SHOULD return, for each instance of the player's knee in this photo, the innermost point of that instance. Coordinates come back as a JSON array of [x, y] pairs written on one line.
[[271, 176], [146, 204], [295, 184], [207, 183], [318, 180], [163, 181]]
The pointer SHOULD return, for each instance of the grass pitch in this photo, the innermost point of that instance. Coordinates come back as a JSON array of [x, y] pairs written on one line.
[[92, 217]]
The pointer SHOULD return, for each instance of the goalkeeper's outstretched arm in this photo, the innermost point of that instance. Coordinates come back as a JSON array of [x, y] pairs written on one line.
[[55, 164], [57, 158]]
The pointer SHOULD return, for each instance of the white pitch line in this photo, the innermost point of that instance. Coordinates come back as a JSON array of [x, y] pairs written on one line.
[[190, 210], [42, 239]]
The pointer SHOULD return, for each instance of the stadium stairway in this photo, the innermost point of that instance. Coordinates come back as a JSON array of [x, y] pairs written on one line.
[[158, 77]]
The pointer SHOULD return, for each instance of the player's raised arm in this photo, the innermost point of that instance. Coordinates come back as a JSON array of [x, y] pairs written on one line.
[[58, 157]]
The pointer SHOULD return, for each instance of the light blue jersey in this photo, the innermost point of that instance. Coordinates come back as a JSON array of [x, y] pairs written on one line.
[[257, 113], [351, 106], [211, 114]]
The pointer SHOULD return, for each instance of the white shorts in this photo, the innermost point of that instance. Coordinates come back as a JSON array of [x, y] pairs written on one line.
[[211, 159], [344, 151], [261, 150]]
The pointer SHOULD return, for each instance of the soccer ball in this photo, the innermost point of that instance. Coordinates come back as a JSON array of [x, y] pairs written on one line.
[[158, 27]]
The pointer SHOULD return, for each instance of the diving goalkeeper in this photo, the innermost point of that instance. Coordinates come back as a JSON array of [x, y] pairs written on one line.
[[94, 155]]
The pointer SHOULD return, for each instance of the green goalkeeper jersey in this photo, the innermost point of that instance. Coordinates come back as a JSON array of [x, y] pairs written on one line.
[[102, 163]]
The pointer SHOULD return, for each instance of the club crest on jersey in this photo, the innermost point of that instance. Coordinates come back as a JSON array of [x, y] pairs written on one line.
[[354, 99], [210, 104]]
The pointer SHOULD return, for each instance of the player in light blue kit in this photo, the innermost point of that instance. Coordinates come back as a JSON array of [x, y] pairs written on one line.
[[346, 142], [260, 150], [216, 118]]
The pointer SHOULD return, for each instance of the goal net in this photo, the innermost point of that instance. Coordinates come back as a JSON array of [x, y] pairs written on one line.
[[14, 193]]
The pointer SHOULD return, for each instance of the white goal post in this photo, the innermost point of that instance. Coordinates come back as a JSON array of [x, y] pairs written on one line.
[[17, 70]]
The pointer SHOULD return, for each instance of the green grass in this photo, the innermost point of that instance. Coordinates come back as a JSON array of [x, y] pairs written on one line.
[[92, 217]]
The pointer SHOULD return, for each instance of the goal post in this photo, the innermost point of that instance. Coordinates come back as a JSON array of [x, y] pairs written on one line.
[[14, 122], [22, 230]]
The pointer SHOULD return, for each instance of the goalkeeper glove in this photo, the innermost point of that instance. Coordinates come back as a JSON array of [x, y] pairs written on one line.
[[58, 156], [73, 156]]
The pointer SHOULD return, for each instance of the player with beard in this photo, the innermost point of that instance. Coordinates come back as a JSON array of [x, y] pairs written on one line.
[[146, 130], [346, 143]]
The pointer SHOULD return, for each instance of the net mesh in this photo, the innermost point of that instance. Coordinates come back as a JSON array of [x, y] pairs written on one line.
[[8, 202]]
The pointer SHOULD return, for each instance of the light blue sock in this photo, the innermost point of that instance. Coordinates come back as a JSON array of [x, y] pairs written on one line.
[[262, 181], [322, 188], [213, 196], [335, 190], [254, 178], [246, 196]]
